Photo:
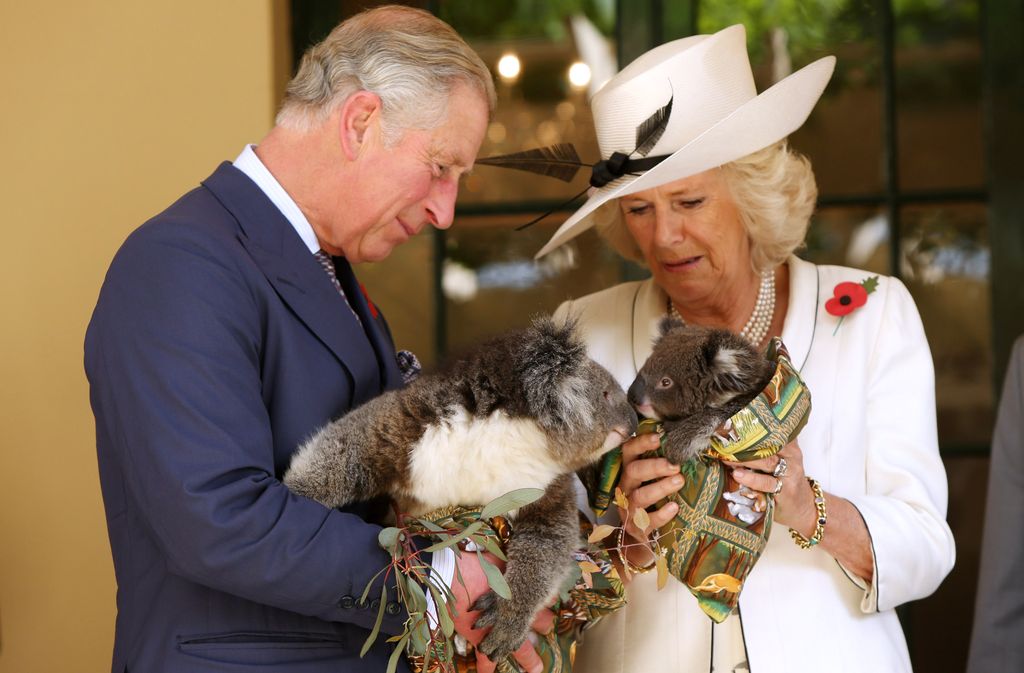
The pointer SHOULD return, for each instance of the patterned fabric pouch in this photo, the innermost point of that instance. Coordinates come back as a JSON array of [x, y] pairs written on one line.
[[597, 591], [721, 528]]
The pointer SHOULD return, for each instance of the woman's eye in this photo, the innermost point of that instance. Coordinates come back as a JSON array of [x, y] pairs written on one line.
[[665, 383], [691, 203], [638, 210]]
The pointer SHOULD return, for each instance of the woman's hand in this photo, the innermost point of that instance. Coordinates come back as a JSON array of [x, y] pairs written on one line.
[[846, 536], [645, 481], [794, 500]]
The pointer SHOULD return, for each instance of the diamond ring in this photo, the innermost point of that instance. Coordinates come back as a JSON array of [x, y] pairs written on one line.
[[781, 468], [778, 486]]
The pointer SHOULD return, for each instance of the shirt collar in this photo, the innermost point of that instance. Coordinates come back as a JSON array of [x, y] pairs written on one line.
[[250, 164]]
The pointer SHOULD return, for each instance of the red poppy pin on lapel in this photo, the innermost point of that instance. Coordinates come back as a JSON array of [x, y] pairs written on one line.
[[847, 297], [369, 304]]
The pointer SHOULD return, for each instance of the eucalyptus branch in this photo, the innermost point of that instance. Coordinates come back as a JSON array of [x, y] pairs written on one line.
[[429, 642]]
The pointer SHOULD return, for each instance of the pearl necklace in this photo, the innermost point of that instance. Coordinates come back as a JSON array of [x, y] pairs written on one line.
[[761, 317]]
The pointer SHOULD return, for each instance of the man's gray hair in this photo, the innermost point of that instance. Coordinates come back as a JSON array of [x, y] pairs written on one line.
[[409, 58]]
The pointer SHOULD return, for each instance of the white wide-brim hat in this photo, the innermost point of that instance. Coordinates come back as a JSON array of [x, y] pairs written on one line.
[[716, 114]]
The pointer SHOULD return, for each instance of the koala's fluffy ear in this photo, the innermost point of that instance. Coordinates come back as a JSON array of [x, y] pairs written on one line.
[[733, 367], [549, 354]]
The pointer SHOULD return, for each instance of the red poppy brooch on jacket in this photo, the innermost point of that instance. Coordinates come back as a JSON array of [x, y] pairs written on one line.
[[848, 297], [369, 304]]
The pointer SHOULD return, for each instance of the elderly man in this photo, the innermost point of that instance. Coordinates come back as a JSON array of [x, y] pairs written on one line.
[[231, 326]]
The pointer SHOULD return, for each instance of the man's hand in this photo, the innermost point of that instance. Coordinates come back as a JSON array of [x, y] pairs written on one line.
[[475, 586]]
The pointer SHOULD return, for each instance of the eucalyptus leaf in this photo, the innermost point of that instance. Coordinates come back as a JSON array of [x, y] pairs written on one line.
[[430, 525], [399, 650], [441, 606], [420, 636], [455, 539], [491, 545], [428, 651], [417, 598], [662, 565], [494, 578], [376, 625], [369, 585], [641, 518], [600, 532], [511, 500], [388, 537]]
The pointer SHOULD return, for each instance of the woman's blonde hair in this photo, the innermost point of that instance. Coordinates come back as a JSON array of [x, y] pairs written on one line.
[[774, 191], [407, 57]]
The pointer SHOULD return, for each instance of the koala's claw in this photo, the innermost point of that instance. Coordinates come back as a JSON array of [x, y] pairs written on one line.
[[487, 606], [506, 634]]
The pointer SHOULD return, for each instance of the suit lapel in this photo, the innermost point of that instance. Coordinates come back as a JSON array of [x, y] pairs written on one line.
[[373, 323], [296, 276], [801, 321], [649, 306]]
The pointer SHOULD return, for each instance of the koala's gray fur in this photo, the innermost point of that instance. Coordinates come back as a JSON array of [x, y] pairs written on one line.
[[694, 380], [526, 409]]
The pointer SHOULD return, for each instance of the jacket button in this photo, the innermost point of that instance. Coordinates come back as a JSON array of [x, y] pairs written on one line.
[[392, 608], [375, 604], [347, 602]]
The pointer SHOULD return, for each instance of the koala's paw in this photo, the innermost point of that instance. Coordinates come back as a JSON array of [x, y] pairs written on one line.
[[487, 606], [509, 628]]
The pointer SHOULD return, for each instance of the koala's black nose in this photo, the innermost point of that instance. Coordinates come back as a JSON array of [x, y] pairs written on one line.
[[636, 392]]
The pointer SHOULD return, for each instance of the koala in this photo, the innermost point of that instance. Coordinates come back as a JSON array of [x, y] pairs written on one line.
[[694, 380], [526, 409]]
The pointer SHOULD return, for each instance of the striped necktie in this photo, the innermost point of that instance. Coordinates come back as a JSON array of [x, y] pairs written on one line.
[[327, 264]]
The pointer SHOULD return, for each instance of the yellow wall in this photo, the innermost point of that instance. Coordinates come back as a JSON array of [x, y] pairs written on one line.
[[109, 109]]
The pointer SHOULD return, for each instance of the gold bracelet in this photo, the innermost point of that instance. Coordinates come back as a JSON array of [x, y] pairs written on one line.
[[819, 526]]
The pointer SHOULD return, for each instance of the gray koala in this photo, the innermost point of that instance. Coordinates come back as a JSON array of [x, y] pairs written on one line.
[[694, 380], [526, 409]]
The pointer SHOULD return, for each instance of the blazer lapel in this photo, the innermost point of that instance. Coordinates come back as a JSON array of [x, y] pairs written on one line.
[[801, 320], [296, 276], [373, 323], [649, 306]]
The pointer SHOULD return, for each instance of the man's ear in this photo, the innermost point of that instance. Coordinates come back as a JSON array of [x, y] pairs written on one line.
[[359, 119]]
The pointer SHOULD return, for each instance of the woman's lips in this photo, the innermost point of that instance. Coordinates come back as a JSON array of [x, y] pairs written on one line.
[[682, 264]]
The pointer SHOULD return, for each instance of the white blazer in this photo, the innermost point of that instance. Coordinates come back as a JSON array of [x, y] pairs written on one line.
[[871, 438]]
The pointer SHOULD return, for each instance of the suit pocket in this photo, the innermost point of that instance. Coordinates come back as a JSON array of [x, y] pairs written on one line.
[[265, 647]]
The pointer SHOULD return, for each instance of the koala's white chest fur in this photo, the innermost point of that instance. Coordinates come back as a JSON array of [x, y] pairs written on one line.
[[470, 461]]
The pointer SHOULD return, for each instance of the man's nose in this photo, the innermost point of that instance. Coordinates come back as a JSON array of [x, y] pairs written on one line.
[[441, 203]]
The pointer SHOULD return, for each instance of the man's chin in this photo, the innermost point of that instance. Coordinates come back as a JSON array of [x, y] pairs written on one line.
[[376, 254]]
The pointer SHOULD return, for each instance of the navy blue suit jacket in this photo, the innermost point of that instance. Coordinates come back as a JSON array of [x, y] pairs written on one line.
[[217, 346]]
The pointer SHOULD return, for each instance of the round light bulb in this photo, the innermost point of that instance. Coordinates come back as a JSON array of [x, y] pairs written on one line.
[[509, 66], [579, 74]]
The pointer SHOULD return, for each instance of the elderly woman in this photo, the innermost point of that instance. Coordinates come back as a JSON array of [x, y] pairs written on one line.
[[698, 184]]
